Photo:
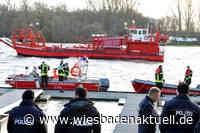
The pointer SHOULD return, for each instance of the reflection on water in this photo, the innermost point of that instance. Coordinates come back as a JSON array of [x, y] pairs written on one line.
[[53, 108]]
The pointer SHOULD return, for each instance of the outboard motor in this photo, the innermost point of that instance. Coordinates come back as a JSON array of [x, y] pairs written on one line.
[[10, 77], [104, 84], [198, 86]]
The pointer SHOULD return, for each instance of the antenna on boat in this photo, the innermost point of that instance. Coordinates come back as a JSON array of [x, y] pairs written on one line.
[[133, 21], [125, 25]]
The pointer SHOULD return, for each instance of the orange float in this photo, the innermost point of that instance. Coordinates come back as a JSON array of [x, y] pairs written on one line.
[[76, 70], [55, 74]]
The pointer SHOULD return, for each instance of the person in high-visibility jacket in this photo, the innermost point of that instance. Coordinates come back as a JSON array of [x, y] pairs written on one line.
[[159, 77], [188, 76], [66, 71], [44, 74], [61, 73]]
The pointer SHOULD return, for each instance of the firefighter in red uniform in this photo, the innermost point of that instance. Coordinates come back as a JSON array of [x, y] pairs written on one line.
[[188, 76], [159, 77]]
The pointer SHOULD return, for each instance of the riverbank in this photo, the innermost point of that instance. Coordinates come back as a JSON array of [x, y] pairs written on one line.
[[189, 44]]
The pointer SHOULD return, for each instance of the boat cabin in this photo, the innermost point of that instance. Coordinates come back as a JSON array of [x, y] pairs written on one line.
[[139, 34]]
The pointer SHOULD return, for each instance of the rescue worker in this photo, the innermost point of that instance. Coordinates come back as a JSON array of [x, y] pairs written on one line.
[[188, 76], [146, 110], [159, 77], [26, 70], [85, 59], [44, 74], [84, 67], [61, 72], [34, 73], [183, 113], [66, 71], [61, 64], [78, 108], [25, 118]]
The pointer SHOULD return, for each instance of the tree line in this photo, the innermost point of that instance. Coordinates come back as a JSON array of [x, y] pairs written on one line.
[[59, 24], [184, 17]]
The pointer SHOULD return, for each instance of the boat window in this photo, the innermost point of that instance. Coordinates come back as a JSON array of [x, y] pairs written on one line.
[[144, 32], [18, 40], [140, 32], [27, 40], [133, 31]]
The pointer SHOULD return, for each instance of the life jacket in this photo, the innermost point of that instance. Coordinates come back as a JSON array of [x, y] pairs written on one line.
[[66, 71], [44, 70], [34, 74], [61, 71], [188, 74], [157, 70], [159, 76]]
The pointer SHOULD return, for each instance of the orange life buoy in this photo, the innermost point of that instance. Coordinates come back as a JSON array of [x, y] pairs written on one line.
[[76, 70]]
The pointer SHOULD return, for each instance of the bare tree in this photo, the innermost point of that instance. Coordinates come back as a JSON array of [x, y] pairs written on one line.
[[188, 15], [179, 15], [198, 22], [25, 14], [177, 12]]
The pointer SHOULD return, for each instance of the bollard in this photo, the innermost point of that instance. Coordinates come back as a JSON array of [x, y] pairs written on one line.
[[121, 101]]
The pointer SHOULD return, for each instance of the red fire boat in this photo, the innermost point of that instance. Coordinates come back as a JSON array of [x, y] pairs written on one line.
[[138, 43], [142, 86], [77, 77], [26, 81]]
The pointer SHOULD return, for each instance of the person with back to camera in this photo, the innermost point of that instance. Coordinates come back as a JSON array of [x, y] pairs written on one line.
[[44, 74], [185, 113], [79, 108], [66, 71], [25, 118]]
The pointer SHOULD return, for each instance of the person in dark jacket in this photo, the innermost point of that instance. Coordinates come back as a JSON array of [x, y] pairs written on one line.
[[177, 111], [146, 110], [197, 127], [81, 115], [25, 118]]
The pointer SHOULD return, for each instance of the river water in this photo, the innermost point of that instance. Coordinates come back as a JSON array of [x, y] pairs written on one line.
[[119, 72]]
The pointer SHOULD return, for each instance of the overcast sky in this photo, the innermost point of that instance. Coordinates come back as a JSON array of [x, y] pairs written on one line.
[[151, 8]]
